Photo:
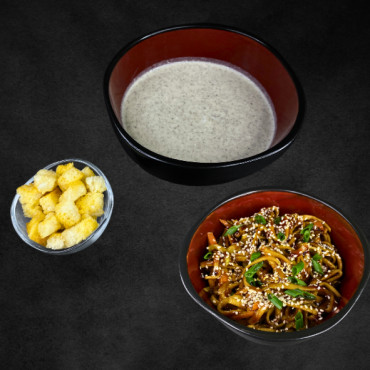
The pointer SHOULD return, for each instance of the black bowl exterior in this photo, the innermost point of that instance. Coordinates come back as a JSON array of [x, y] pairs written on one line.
[[188, 173], [192, 173], [262, 337]]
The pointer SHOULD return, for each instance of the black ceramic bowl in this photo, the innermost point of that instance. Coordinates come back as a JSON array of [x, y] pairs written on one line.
[[224, 44], [348, 239]]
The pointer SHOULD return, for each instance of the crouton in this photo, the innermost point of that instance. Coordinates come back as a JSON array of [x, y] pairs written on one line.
[[69, 176], [67, 213], [87, 171], [63, 205], [50, 200], [74, 191], [55, 241], [33, 231], [45, 181], [63, 168], [49, 225], [79, 232], [28, 194], [91, 204], [32, 211], [95, 184]]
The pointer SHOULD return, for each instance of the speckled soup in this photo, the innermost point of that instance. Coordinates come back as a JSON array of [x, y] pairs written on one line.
[[198, 110]]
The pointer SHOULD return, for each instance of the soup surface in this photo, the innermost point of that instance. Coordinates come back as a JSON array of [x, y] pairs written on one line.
[[198, 110]]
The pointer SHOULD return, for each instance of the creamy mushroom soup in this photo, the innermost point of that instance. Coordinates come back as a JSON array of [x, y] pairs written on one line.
[[198, 110]]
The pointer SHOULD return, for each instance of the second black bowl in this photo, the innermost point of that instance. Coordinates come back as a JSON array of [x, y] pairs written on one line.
[[220, 43], [350, 242]]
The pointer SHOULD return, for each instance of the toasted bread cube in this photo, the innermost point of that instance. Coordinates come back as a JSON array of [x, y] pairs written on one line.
[[91, 204], [33, 231], [55, 241], [67, 213], [28, 194], [96, 184], [63, 168], [69, 176], [49, 225], [50, 200], [87, 171], [74, 191], [79, 232], [45, 181], [33, 211]]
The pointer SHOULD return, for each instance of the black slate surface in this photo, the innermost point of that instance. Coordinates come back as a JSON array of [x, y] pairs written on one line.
[[120, 303]]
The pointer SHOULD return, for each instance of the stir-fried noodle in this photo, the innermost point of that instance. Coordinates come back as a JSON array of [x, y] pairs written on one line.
[[273, 273]]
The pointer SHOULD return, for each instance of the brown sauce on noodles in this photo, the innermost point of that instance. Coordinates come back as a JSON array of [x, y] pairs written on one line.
[[273, 273]]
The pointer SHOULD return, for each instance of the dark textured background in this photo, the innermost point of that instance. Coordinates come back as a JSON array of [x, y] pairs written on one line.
[[120, 303]]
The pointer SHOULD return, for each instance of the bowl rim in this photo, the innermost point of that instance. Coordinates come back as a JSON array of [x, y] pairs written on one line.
[[258, 334], [84, 243], [144, 152]]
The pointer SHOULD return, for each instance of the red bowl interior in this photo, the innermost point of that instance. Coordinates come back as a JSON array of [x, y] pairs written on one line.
[[228, 46], [343, 235]]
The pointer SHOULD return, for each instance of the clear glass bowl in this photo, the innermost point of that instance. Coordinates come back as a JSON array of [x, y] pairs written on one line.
[[19, 220]]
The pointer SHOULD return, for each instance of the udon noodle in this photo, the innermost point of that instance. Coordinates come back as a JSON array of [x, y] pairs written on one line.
[[273, 273]]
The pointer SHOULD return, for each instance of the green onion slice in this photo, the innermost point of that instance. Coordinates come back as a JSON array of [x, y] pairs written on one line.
[[309, 295], [316, 257], [254, 282], [275, 301], [307, 228], [294, 292], [232, 230], [296, 281], [208, 255], [277, 220], [316, 266], [260, 220], [281, 236], [306, 236], [299, 320], [255, 255], [299, 293], [296, 269], [249, 274], [306, 232], [252, 271]]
